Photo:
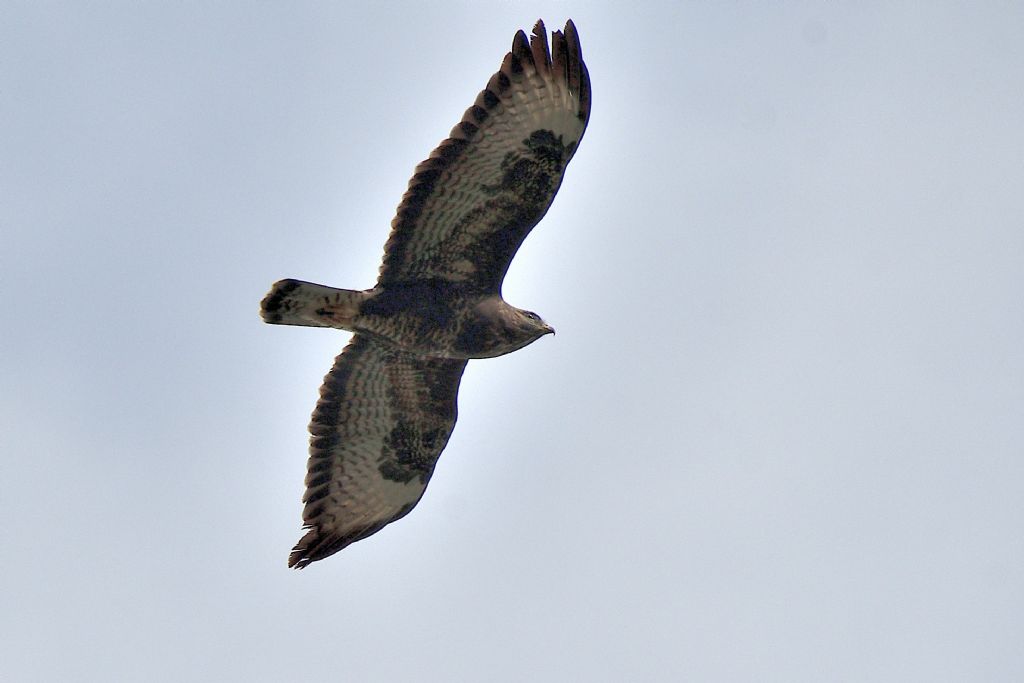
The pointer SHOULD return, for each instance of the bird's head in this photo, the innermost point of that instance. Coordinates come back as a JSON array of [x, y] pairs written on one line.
[[532, 325], [497, 328]]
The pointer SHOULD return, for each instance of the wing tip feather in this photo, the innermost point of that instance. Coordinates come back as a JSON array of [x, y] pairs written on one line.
[[301, 556], [539, 48], [577, 75], [521, 48], [319, 543]]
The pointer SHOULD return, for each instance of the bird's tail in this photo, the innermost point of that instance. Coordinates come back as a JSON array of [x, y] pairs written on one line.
[[294, 302]]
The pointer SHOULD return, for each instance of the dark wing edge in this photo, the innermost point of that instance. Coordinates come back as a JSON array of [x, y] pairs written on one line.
[[444, 227], [382, 420]]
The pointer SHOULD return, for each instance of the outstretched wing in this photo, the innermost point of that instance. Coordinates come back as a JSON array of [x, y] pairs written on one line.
[[472, 203], [383, 418]]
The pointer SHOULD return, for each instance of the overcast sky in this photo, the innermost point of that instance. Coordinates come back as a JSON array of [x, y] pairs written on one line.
[[778, 437]]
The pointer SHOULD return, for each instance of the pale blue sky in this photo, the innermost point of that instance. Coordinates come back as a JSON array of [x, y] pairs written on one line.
[[778, 437]]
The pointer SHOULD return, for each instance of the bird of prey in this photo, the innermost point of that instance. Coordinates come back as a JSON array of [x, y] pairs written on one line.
[[388, 406]]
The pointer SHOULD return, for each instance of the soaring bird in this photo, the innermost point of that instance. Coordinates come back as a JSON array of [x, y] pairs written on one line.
[[388, 406]]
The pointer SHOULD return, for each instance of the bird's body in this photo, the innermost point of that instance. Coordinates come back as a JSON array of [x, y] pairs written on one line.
[[432, 318], [388, 406]]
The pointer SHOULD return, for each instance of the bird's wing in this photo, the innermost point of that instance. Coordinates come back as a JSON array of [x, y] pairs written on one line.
[[382, 420], [472, 203]]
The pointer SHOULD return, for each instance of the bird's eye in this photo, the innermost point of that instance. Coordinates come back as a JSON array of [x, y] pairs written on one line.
[[532, 316]]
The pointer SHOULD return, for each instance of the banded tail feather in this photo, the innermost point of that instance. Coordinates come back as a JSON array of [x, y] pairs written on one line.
[[295, 302]]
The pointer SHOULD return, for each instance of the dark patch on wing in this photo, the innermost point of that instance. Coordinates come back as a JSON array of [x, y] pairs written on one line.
[[410, 452]]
